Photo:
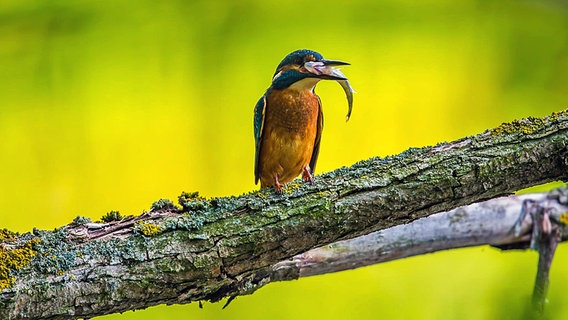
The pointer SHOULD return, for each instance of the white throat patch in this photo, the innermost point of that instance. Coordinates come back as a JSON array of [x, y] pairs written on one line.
[[305, 84]]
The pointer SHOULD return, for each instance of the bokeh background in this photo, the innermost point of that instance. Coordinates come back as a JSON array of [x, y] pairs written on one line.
[[111, 105]]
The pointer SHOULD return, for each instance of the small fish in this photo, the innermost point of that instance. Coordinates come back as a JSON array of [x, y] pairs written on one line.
[[349, 94], [321, 68]]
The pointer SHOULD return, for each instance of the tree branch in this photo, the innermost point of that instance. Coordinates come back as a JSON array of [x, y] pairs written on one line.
[[491, 222], [223, 247]]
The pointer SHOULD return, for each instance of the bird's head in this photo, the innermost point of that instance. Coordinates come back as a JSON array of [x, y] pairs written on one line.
[[303, 69], [303, 64]]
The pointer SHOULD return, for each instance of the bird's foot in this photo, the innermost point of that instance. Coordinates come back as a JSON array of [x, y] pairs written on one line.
[[306, 175], [277, 184]]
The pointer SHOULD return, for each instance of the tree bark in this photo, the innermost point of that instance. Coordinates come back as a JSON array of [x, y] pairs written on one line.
[[491, 222], [224, 247]]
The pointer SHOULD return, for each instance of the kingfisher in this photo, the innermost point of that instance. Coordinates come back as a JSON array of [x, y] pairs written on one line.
[[288, 118]]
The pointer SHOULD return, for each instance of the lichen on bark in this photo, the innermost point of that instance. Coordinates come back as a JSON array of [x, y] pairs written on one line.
[[14, 255]]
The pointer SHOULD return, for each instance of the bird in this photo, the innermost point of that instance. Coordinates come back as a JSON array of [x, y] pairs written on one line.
[[288, 118]]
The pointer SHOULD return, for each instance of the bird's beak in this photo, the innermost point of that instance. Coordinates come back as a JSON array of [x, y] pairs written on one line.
[[324, 70]]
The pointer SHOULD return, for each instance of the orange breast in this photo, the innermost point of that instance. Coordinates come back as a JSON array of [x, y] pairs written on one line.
[[290, 128]]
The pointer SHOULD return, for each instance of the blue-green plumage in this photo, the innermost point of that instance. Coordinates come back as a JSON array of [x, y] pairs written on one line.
[[258, 123]]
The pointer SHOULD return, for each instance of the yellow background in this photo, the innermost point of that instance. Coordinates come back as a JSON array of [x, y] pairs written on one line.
[[111, 105]]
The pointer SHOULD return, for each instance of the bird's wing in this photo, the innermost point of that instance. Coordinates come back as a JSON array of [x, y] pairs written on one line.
[[315, 154], [258, 128]]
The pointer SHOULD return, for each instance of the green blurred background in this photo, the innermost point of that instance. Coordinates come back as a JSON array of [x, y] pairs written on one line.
[[111, 105]]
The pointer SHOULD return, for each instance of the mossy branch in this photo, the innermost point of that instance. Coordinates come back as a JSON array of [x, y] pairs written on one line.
[[224, 247]]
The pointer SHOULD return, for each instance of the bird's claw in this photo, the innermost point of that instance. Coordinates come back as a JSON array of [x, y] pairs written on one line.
[[277, 185], [307, 176]]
